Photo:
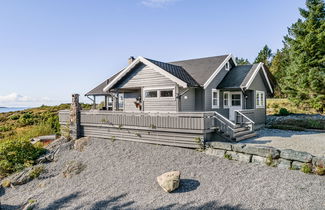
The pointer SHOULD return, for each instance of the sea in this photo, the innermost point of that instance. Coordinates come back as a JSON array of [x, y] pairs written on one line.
[[12, 109]]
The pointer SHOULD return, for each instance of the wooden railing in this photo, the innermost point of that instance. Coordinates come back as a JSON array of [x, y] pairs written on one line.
[[242, 119], [224, 125], [179, 120]]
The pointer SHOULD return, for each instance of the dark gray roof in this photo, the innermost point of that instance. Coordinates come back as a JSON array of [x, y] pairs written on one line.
[[201, 69], [177, 71], [237, 77], [99, 89]]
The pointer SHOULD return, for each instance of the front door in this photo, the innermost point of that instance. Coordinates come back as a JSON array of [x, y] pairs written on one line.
[[235, 103]]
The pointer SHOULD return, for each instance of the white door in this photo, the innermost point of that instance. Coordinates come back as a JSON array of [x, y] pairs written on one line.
[[235, 103]]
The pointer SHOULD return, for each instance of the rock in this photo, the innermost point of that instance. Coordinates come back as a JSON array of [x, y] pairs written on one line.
[[220, 145], [296, 165], [238, 147], [263, 151], [319, 161], [240, 156], [296, 155], [215, 152], [259, 159], [282, 163], [169, 181], [80, 144], [73, 168]]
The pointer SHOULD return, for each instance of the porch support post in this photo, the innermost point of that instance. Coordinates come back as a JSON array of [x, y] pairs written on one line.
[[94, 103], [105, 102], [75, 108]]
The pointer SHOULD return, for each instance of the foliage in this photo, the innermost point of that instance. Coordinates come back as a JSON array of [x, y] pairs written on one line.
[[6, 183], [17, 154], [242, 61], [307, 168], [36, 171], [286, 127], [304, 82], [283, 112], [319, 170], [264, 56], [228, 156], [274, 105]]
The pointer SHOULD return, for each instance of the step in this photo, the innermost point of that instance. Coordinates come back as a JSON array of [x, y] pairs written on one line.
[[239, 129], [247, 136], [242, 133]]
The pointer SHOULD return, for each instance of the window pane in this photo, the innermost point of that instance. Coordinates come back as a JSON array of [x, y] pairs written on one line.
[[120, 100], [166, 93], [214, 98], [235, 96], [225, 99], [235, 100], [151, 94]]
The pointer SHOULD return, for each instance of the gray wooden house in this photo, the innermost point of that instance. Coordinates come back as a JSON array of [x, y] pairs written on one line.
[[177, 103]]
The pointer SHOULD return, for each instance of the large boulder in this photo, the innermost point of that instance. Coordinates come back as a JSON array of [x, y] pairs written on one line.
[[240, 156], [220, 145], [263, 151], [215, 152], [169, 181], [296, 155]]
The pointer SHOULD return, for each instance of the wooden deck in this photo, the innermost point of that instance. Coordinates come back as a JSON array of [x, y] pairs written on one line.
[[185, 129]]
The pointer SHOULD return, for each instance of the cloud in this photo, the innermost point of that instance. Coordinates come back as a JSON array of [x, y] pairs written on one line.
[[157, 3], [17, 100]]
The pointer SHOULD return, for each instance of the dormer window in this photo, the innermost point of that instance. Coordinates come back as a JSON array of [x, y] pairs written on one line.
[[227, 66]]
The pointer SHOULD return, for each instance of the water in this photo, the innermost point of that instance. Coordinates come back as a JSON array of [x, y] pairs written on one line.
[[12, 109]]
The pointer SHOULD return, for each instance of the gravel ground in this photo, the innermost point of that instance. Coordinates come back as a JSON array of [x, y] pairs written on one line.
[[123, 175], [312, 142]]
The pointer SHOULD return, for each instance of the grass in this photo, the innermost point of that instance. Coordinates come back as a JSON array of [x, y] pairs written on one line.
[[275, 104], [306, 168], [36, 171], [227, 156]]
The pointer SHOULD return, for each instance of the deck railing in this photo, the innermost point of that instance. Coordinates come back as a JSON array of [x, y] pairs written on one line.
[[243, 119], [224, 125], [178, 120]]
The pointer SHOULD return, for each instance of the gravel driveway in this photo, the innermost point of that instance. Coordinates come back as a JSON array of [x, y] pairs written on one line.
[[312, 142], [122, 175]]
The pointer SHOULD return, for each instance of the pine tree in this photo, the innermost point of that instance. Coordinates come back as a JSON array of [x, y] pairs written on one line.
[[264, 56], [242, 61], [304, 82]]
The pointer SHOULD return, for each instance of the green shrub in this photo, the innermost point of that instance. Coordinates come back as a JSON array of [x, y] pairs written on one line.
[[5, 128], [17, 154], [283, 112], [306, 168], [36, 171], [228, 156], [14, 117]]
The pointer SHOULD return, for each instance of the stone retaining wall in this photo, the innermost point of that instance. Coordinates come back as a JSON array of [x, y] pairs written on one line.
[[286, 158]]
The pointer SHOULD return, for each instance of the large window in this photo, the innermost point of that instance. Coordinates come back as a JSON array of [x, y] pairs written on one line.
[[260, 98], [151, 94], [215, 98], [235, 100]]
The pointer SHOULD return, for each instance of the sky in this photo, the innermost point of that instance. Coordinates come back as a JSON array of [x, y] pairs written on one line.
[[51, 49]]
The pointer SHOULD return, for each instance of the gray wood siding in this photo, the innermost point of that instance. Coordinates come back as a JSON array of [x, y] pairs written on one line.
[[161, 105], [208, 91], [129, 99], [188, 105], [144, 76], [199, 99]]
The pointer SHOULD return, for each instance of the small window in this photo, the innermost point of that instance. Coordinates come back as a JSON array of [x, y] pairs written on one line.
[[260, 98], [151, 94], [235, 100], [225, 99], [166, 93], [120, 101], [215, 98], [227, 66]]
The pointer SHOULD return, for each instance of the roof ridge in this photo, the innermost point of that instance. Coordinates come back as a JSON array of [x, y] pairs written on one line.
[[199, 58]]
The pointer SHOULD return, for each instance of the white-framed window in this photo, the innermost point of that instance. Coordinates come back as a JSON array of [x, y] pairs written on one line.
[[151, 93], [159, 92], [260, 99], [227, 66], [215, 98], [226, 99], [236, 99], [121, 101]]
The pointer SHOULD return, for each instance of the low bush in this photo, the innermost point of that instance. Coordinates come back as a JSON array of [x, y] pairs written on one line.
[[5, 128], [16, 155], [6, 183], [319, 170], [283, 112], [36, 171], [306, 168], [227, 156]]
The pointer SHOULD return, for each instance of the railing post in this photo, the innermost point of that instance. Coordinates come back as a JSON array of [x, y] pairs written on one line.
[[74, 128]]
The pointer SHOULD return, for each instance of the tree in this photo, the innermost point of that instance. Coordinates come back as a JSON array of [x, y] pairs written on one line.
[[278, 67], [264, 56], [242, 61], [304, 82]]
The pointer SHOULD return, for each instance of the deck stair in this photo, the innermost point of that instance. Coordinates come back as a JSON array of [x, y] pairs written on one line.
[[241, 129]]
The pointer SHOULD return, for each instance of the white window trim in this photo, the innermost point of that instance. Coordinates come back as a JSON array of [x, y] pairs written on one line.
[[158, 89], [228, 99], [218, 97], [262, 99], [227, 66]]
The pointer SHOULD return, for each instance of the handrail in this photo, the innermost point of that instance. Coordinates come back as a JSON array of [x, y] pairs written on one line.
[[247, 118], [225, 119]]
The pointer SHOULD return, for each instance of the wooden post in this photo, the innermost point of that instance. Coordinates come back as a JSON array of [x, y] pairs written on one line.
[[75, 117], [105, 103]]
